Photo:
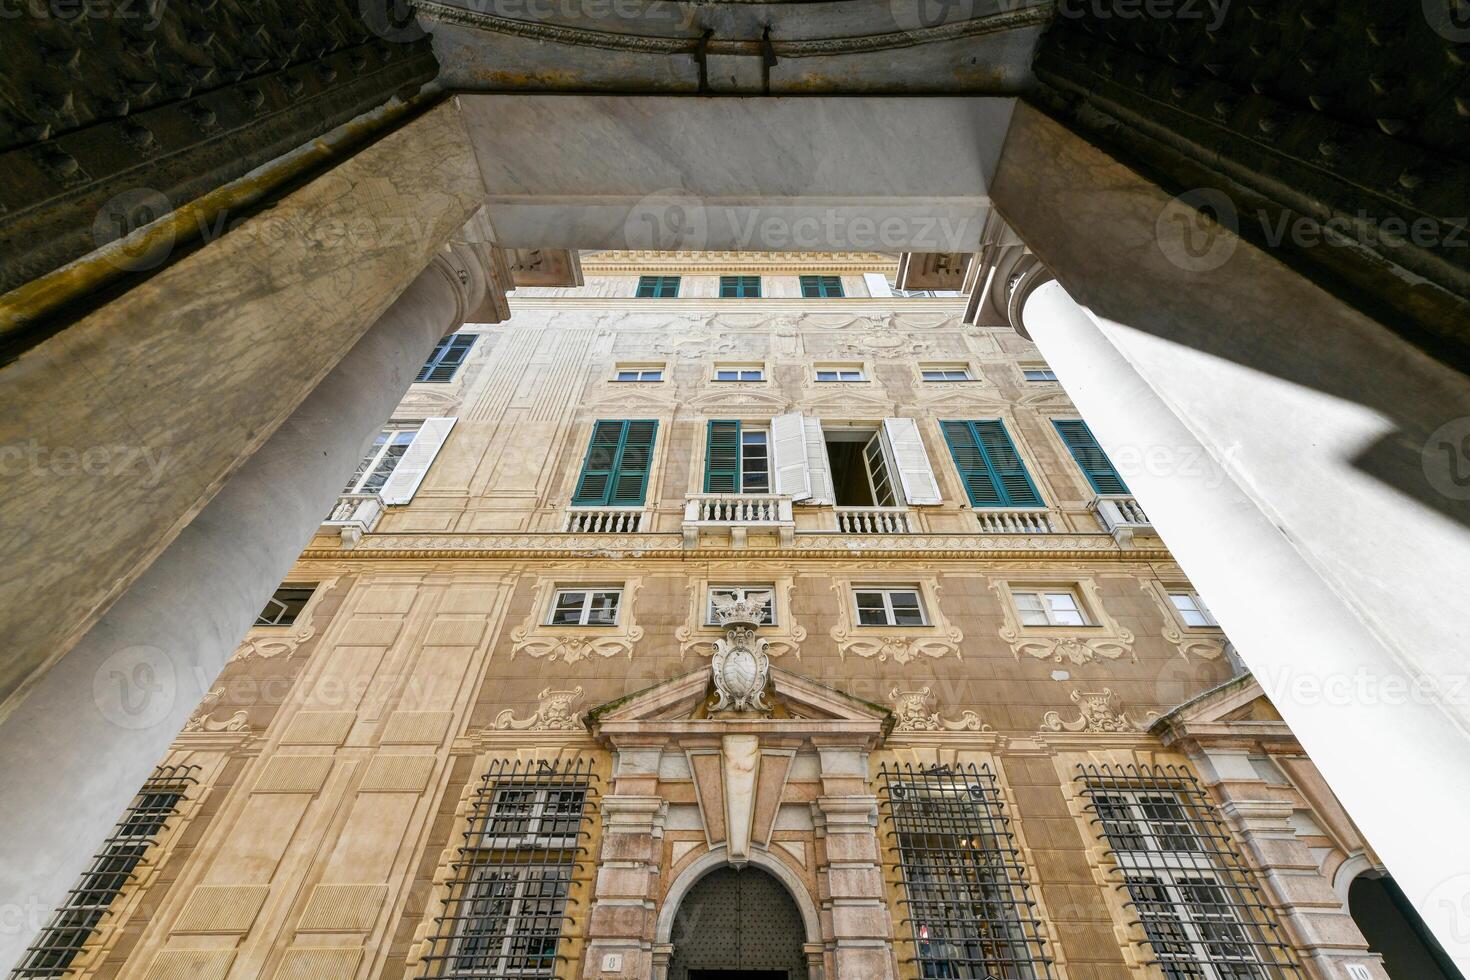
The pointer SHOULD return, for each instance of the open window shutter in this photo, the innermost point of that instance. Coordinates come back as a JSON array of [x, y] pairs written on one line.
[[635, 459], [788, 445], [906, 449], [404, 481], [595, 484], [819, 468], [1090, 457], [1009, 471], [722, 457], [877, 284]]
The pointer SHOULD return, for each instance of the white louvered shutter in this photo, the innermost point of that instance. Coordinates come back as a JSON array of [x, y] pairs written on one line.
[[404, 481], [819, 468], [788, 445], [877, 284], [906, 450]]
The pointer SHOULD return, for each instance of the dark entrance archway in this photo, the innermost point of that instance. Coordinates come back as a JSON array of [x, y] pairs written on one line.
[[1395, 931], [738, 925]]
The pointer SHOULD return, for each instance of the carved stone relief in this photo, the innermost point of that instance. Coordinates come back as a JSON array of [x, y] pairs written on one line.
[[915, 712], [782, 639], [200, 720], [554, 713], [1098, 711]]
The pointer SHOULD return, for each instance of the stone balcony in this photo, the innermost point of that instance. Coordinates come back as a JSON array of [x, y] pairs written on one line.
[[604, 520], [354, 515], [1122, 517], [1016, 520], [874, 520], [737, 514]]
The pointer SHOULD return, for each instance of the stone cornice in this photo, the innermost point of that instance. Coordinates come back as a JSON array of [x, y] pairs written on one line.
[[927, 547], [794, 305], [616, 263]]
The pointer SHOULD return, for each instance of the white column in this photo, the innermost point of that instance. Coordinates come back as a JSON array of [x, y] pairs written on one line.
[[1399, 762], [84, 739]]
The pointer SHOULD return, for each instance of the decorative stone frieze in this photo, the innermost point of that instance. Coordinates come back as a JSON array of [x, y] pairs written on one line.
[[1098, 711], [915, 713], [554, 713]]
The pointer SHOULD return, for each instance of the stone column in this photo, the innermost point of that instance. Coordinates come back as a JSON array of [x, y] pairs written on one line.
[[625, 900], [1383, 756], [1305, 464], [86, 735], [850, 870]]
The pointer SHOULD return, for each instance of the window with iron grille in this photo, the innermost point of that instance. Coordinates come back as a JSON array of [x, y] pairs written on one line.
[[968, 902], [508, 889], [448, 355], [112, 867], [1196, 899]]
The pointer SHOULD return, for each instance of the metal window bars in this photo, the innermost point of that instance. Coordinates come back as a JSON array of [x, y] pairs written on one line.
[[969, 905], [509, 886], [1196, 899], [79, 915]]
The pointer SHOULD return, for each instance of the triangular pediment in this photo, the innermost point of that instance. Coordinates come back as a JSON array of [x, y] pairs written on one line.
[[961, 402], [1047, 399], [1238, 706], [636, 400], [680, 702], [736, 400], [848, 404]]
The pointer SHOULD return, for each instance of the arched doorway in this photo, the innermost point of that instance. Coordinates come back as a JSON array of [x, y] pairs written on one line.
[[738, 925], [1394, 931]]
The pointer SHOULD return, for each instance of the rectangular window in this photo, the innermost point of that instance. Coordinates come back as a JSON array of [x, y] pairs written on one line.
[[639, 372], [658, 287], [1192, 608], [448, 355], [718, 593], [508, 893], [586, 607], [889, 607], [740, 372], [945, 372], [821, 286], [988, 464], [737, 458], [1191, 891], [1093, 462], [1059, 607], [740, 286], [1038, 374], [615, 471], [382, 458], [840, 372], [72, 925], [285, 605], [970, 906]]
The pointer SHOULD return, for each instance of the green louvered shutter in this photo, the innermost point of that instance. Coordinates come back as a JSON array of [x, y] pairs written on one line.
[[989, 466], [597, 469], [615, 472], [722, 457], [630, 481], [1089, 456]]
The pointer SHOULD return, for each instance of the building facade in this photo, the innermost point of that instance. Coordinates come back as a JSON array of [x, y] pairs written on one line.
[[493, 723]]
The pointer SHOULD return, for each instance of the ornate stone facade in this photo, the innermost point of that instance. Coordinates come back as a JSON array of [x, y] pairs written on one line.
[[342, 757]]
